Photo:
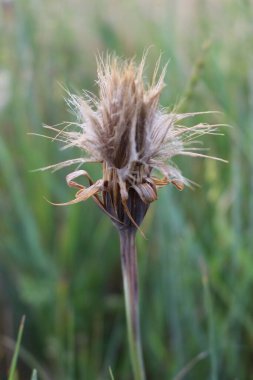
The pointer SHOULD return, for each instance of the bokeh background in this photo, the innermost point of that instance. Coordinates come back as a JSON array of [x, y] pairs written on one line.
[[60, 266]]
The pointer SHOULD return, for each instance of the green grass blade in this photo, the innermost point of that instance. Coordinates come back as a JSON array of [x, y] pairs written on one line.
[[16, 351], [111, 374], [34, 375]]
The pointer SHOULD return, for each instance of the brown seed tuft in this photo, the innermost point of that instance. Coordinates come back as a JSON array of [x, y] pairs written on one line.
[[127, 131]]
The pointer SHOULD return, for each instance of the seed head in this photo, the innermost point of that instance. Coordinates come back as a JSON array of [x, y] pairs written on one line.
[[126, 130]]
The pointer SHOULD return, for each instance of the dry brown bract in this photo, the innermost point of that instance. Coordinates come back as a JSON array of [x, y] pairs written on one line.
[[127, 131]]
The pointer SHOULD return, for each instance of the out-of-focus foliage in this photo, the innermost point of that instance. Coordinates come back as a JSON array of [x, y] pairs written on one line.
[[60, 266]]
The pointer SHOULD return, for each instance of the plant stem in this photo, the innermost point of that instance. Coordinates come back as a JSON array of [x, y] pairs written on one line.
[[130, 282]]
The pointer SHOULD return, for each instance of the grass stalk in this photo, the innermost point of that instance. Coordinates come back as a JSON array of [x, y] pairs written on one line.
[[131, 294]]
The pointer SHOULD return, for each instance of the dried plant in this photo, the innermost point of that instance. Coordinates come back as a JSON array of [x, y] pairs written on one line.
[[134, 139]]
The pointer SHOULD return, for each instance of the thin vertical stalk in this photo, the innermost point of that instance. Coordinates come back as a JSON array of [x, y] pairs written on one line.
[[131, 293]]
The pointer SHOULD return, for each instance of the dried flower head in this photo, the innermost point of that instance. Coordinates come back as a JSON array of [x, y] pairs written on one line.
[[127, 131]]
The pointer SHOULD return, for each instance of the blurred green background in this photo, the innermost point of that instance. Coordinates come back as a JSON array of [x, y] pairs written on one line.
[[60, 266]]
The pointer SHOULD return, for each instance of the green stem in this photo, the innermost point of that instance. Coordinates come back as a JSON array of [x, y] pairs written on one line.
[[130, 281]]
